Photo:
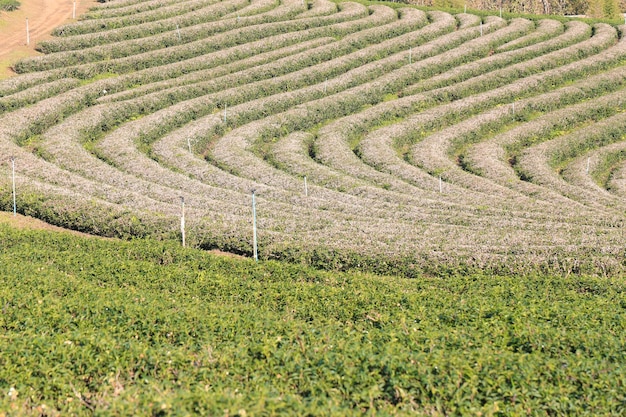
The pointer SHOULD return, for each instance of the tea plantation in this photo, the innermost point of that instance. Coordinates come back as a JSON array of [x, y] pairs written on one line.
[[103, 327]]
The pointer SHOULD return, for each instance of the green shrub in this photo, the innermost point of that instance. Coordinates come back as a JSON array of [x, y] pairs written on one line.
[[9, 5]]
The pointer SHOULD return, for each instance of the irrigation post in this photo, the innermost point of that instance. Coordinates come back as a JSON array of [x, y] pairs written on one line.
[[182, 218], [27, 33], [13, 182], [254, 239], [306, 188]]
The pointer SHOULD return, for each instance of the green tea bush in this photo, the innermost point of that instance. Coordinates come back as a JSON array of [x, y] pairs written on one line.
[[94, 326]]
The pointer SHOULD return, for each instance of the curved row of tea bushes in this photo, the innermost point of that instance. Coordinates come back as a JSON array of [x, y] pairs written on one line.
[[104, 35], [199, 41], [139, 19]]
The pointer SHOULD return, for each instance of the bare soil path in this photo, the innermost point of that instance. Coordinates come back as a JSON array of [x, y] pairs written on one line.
[[43, 16]]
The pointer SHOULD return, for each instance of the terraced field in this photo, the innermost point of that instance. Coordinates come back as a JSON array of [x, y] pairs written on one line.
[[379, 137]]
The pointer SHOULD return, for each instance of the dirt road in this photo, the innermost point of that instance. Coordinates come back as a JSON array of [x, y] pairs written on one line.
[[43, 16]]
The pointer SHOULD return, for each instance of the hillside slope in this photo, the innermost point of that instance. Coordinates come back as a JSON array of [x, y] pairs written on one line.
[[378, 137]]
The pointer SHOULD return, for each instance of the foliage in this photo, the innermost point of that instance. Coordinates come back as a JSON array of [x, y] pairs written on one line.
[[9, 5], [96, 326], [609, 9]]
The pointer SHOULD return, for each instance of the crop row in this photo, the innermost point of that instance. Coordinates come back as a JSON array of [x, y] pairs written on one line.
[[199, 42], [135, 17]]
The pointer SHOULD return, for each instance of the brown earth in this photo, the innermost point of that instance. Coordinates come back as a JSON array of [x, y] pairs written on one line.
[[43, 16]]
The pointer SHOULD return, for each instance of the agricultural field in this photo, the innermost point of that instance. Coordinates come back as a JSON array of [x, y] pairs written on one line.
[[440, 205], [378, 137], [103, 327]]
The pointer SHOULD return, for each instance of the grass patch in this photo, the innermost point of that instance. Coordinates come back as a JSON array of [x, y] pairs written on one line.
[[9, 5]]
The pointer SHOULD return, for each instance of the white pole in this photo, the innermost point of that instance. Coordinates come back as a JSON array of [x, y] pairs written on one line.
[[500, 12], [189, 144], [306, 188], [440, 185], [465, 11], [27, 33], [410, 55], [74, 9], [588, 162], [13, 181], [513, 108], [254, 239], [182, 218], [481, 28], [178, 32], [325, 85], [225, 105]]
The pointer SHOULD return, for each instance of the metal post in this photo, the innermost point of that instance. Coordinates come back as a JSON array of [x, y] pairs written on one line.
[[182, 218], [27, 33], [13, 181], [306, 188], [254, 238]]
